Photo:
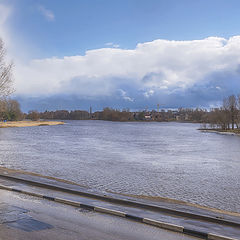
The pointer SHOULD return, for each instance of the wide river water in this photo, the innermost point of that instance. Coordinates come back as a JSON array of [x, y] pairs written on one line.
[[172, 160]]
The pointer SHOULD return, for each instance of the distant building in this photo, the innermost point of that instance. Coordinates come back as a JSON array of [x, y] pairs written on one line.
[[148, 117]]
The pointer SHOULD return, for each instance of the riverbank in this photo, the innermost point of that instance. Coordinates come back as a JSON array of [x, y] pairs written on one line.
[[235, 132], [158, 201], [29, 123], [166, 214]]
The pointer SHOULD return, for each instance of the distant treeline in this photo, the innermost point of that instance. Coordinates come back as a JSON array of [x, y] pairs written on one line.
[[109, 114], [225, 117], [59, 114], [10, 110], [162, 116]]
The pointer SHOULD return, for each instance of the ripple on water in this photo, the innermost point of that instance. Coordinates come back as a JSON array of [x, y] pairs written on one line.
[[171, 160]]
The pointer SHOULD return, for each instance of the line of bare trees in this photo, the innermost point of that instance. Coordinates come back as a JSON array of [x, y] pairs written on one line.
[[228, 115], [58, 114]]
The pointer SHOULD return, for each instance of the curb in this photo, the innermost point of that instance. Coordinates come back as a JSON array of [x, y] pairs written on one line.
[[123, 201], [218, 237], [148, 221]]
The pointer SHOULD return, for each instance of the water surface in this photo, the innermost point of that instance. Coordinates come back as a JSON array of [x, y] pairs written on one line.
[[171, 160]]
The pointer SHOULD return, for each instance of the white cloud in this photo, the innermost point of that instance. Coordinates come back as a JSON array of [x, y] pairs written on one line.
[[124, 96], [159, 65], [5, 12], [110, 44], [149, 93], [48, 14]]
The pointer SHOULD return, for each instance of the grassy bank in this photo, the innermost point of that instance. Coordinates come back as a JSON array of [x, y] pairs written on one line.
[[29, 123]]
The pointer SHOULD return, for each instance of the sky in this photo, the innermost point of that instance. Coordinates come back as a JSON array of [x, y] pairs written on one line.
[[131, 54]]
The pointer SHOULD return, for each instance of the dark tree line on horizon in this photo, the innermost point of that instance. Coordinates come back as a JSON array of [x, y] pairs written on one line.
[[58, 114], [109, 114], [225, 117]]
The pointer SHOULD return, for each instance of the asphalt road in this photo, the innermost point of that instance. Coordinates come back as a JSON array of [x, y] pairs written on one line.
[[23, 217]]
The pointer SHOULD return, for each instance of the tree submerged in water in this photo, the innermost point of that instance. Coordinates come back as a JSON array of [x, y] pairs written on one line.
[[226, 117]]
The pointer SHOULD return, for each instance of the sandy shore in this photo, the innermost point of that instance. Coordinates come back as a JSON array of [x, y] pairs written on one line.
[[29, 123]]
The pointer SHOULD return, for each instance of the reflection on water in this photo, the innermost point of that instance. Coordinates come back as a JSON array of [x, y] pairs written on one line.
[[171, 160]]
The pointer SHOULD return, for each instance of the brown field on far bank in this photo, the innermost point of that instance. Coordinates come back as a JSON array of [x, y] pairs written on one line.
[[29, 123]]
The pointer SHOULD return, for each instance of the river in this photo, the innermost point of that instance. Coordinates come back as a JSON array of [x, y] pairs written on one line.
[[172, 160]]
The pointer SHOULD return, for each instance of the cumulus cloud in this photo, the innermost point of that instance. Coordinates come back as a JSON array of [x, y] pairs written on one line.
[[160, 67], [48, 14]]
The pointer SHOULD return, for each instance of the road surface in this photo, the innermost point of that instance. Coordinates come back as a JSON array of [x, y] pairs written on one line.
[[23, 217]]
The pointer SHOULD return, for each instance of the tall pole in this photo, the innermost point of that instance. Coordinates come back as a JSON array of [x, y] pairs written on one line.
[[90, 112]]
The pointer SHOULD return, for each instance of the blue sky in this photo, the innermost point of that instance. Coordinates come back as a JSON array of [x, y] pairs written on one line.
[[128, 53], [80, 25]]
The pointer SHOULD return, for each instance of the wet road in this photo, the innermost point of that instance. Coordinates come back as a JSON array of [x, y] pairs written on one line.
[[198, 224], [23, 217]]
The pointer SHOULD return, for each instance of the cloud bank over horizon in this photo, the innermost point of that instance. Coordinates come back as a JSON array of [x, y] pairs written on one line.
[[172, 73], [201, 71]]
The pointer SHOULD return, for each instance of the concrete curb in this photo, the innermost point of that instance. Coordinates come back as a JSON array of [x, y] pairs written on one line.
[[123, 201], [148, 221], [109, 211], [164, 225], [218, 237]]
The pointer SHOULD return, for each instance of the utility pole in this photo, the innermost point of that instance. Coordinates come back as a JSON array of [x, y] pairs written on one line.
[[158, 107], [90, 112]]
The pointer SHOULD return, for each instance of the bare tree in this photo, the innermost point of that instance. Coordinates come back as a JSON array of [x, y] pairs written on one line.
[[14, 110], [232, 106], [238, 112], [33, 115], [6, 82]]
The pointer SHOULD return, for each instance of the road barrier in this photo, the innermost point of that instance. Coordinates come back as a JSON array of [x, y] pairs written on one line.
[[123, 201], [148, 221]]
